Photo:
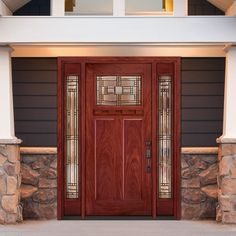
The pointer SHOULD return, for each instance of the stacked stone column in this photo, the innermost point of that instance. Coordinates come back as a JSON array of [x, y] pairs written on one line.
[[226, 212], [10, 180]]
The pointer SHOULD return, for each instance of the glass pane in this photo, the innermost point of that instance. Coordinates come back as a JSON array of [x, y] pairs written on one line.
[[89, 7], [119, 90], [72, 131], [165, 137], [134, 7]]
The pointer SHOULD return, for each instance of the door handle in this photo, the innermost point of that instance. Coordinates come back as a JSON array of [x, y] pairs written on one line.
[[149, 156]]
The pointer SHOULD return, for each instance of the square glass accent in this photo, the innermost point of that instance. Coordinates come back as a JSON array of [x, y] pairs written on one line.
[[119, 90]]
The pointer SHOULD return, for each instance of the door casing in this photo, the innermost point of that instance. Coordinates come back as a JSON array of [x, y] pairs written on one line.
[[160, 66]]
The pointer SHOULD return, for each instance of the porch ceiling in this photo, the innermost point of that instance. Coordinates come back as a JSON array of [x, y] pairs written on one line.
[[14, 5], [222, 4], [74, 30]]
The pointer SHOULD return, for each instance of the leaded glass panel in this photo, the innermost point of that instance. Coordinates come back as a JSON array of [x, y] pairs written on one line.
[[165, 137], [119, 90], [72, 137]]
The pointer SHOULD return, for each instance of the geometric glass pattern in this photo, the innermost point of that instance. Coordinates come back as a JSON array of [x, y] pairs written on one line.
[[119, 90], [72, 137], [165, 137]]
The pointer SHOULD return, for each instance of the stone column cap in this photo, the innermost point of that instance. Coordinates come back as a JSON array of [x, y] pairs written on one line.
[[225, 140], [11, 141]]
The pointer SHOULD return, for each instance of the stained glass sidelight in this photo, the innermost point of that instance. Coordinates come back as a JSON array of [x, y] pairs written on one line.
[[119, 90], [72, 137], [165, 137]]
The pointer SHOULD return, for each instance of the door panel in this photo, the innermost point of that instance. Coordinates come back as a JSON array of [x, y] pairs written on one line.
[[133, 161], [117, 182], [106, 160]]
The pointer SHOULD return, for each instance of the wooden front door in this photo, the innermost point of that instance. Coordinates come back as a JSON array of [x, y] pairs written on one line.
[[118, 140], [119, 137]]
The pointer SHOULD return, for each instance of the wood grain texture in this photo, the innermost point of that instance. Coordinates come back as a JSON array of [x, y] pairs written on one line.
[[106, 160], [134, 163], [116, 178]]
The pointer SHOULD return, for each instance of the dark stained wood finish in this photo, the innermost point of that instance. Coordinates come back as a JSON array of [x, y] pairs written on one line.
[[170, 207], [117, 182], [66, 206], [110, 124]]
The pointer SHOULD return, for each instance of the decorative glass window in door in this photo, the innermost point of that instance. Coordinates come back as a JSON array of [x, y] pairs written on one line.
[[165, 137], [119, 90], [72, 137]]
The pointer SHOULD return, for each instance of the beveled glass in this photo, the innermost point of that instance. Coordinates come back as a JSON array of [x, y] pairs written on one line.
[[119, 90], [165, 136], [72, 137]]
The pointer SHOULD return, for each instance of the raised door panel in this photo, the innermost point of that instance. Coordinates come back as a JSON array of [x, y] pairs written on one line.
[[133, 159], [107, 167]]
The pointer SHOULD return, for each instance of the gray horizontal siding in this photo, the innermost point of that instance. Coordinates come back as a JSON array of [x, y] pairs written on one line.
[[202, 100], [35, 101]]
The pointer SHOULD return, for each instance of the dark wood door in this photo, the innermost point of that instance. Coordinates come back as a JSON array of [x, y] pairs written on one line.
[[118, 175]]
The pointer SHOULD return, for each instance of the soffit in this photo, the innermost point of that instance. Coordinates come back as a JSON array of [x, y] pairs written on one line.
[[222, 4], [14, 5]]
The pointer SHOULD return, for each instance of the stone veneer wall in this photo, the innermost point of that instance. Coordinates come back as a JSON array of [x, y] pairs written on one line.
[[199, 186], [226, 212], [10, 181], [39, 186]]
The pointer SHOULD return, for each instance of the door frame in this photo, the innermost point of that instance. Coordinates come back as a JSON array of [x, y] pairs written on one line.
[[78, 65]]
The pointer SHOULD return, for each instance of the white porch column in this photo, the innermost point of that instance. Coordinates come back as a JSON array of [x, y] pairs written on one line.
[[57, 7], [229, 127], [10, 208], [7, 131], [118, 7], [180, 7], [226, 211]]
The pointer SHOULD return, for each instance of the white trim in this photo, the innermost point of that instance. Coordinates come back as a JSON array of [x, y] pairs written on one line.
[[57, 7], [10, 141], [117, 50], [180, 7], [226, 140], [109, 29], [7, 131], [118, 7], [229, 126]]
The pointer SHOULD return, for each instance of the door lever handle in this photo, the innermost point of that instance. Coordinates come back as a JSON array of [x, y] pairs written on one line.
[[149, 156]]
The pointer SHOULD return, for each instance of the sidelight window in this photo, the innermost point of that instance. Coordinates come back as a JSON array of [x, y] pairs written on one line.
[[165, 137], [72, 137]]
